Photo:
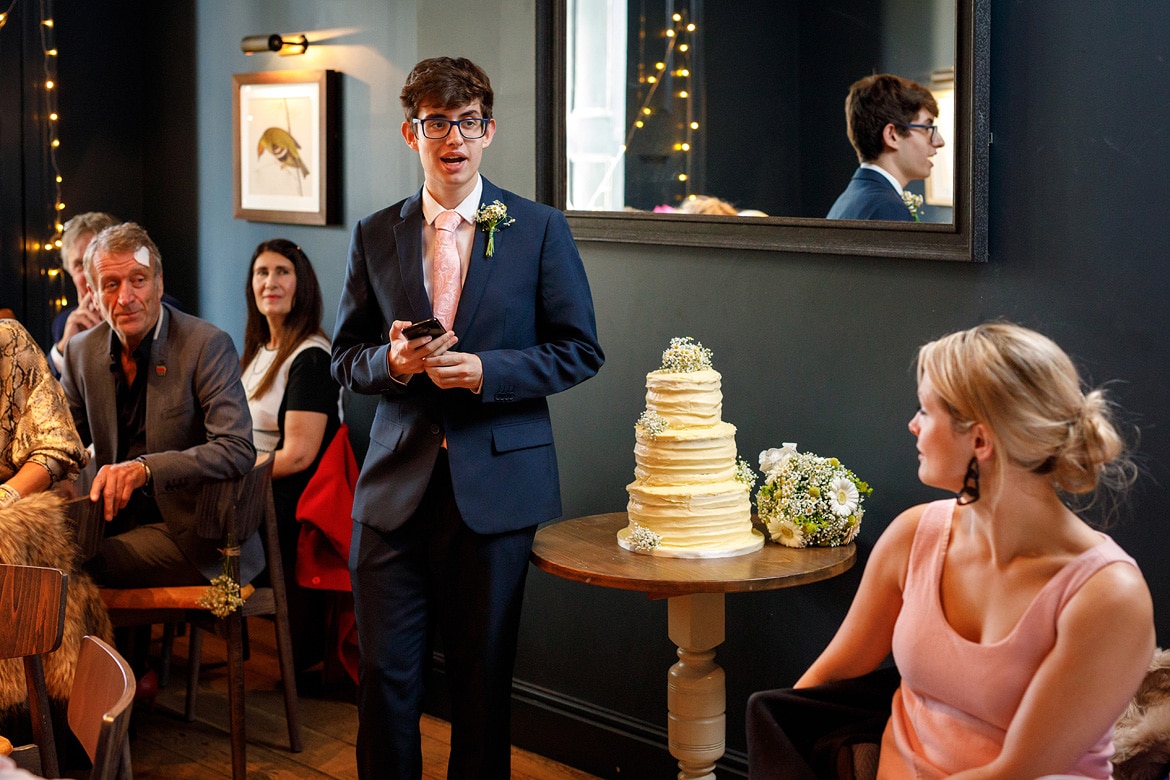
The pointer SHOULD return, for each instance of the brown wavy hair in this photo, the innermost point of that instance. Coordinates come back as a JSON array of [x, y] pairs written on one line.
[[303, 320], [879, 100], [446, 82]]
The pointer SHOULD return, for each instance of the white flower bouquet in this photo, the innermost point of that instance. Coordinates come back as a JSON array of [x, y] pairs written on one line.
[[222, 596], [807, 500]]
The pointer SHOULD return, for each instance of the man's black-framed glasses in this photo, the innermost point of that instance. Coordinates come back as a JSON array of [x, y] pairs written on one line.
[[932, 128], [469, 127]]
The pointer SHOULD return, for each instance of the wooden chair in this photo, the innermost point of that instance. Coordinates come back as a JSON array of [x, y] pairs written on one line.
[[32, 611], [242, 507], [100, 704]]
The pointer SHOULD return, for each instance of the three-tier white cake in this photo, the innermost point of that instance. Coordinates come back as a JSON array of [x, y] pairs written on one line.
[[686, 500]]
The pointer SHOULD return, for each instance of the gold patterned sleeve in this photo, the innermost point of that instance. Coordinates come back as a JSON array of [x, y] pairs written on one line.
[[35, 424]]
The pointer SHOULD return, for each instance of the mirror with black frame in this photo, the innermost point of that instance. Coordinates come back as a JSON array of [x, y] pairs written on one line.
[[643, 104]]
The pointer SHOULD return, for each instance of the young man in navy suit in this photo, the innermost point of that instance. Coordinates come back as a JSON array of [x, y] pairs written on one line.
[[890, 121], [461, 466]]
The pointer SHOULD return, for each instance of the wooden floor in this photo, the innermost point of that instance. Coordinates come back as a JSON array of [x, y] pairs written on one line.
[[166, 747]]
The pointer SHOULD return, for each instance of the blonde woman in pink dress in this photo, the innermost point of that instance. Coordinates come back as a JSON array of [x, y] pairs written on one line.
[[1019, 631]]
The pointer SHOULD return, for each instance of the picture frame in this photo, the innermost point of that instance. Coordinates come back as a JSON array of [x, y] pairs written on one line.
[[285, 146]]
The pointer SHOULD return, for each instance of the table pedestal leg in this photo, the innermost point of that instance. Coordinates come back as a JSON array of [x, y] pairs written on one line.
[[696, 694]]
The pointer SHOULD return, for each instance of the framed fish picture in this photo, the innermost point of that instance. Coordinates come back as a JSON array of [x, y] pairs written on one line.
[[285, 146]]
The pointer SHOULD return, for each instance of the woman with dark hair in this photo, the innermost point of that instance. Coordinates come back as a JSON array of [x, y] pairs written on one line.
[[1019, 631], [295, 407]]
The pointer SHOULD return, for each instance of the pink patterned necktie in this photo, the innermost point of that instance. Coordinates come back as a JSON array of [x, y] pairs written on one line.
[[447, 273]]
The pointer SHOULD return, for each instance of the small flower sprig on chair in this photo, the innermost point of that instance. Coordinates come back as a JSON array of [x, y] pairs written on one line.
[[222, 596]]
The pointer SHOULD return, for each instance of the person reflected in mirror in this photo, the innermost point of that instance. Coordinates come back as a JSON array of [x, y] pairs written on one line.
[[706, 204], [1020, 632], [462, 466], [891, 124], [294, 402], [158, 395]]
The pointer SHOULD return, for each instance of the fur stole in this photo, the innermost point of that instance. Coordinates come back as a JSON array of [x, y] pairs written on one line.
[[34, 532], [1141, 738]]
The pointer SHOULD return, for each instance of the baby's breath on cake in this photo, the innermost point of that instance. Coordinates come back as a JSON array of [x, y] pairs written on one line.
[[642, 539], [744, 473], [685, 355], [652, 423]]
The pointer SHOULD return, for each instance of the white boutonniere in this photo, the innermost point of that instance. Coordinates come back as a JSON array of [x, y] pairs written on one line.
[[490, 218], [914, 203]]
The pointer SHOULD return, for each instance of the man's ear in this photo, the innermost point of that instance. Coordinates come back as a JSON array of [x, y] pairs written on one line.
[[890, 137], [408, 135], [489, 135]]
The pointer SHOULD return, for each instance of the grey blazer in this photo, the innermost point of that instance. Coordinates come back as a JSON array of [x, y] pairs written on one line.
[[198, 427]]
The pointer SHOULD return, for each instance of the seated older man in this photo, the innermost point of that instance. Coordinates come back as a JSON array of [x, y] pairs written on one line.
[[158, 394]]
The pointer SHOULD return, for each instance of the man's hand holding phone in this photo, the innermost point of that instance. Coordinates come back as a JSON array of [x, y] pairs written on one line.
[[429, 327], [408, 349]]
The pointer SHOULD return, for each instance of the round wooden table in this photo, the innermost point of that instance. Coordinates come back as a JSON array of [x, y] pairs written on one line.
[[585, 549]]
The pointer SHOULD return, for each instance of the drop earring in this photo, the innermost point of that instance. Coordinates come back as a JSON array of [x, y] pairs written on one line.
[[970, 492]]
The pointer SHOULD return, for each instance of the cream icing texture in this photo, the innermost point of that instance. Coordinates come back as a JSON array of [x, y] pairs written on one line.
[[684, 490]]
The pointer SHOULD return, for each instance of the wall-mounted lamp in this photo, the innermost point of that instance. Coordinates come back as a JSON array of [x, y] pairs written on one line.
[[292, 44]]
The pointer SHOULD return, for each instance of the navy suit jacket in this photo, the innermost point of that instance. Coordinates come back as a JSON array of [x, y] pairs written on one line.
[[198, 426], [870, 196], [526, 311]]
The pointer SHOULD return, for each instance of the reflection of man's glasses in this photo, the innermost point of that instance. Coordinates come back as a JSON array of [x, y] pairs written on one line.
[[932, 128], [469, 127]]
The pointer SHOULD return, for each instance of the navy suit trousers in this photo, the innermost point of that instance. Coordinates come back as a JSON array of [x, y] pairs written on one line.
[[435, 572]]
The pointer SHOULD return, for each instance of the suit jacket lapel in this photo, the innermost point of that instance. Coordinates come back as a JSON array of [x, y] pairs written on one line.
[[480, 267], [408, 240], [102, 415], [156, 381]]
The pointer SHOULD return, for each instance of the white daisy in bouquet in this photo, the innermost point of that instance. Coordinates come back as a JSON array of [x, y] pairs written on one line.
[[807, 500]]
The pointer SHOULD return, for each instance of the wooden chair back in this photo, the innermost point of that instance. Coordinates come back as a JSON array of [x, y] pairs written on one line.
[[87, 520], [32, 610], [100, 705], [32, 607], [234, 506]]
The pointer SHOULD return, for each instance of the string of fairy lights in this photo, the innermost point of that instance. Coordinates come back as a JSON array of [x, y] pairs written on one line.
[[674, 74], [48, 119]]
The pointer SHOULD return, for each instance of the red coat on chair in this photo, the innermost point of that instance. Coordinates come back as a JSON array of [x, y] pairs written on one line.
[[325, 512]]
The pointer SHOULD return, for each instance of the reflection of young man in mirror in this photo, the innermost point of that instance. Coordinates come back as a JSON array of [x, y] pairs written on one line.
[[890, 121]]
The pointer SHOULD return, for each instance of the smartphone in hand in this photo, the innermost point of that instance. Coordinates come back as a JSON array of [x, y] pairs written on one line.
[[429, 327]]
